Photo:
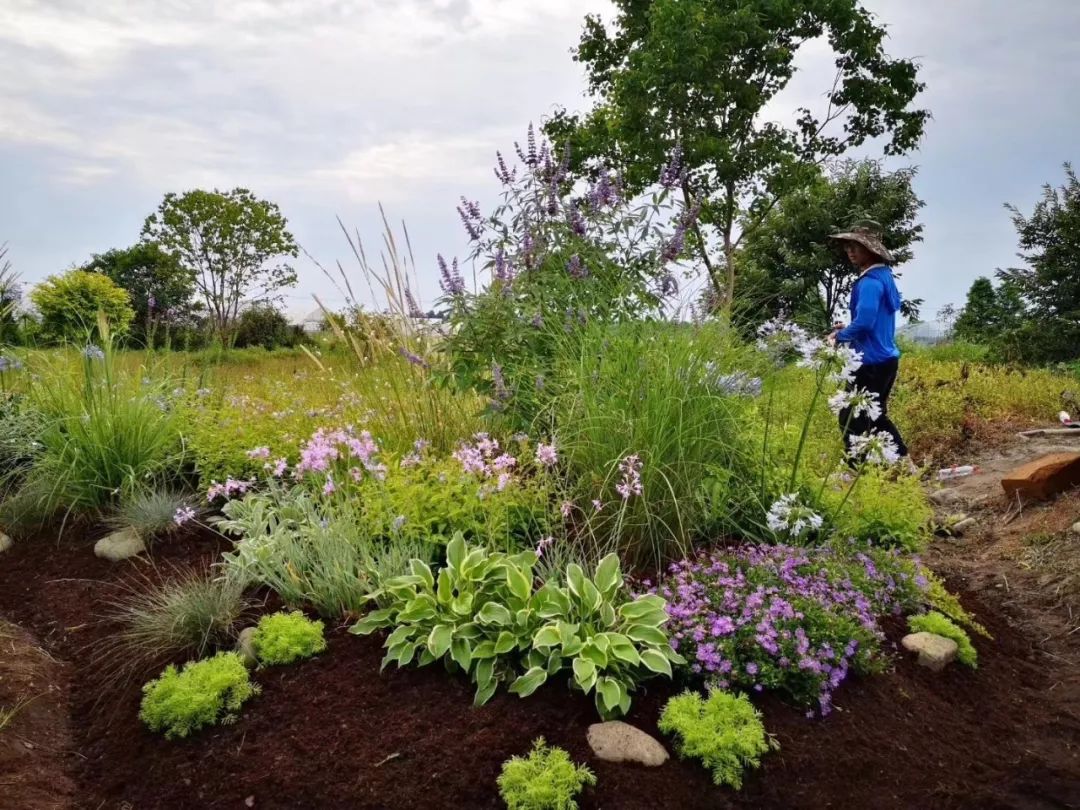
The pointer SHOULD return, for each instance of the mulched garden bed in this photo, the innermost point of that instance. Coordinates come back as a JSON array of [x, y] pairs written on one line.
[[334, 733]]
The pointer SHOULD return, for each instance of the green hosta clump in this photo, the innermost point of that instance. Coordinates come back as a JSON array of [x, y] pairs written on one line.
[[724, 731], [483, 615], [941, 625], [201, 694], [282, 638], [547, 779]]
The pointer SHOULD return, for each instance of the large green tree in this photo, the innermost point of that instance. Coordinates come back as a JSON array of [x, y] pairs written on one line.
[[161, 289], [1050, 284], [790, 265], [699, 75], [233, 245], [989, 313]]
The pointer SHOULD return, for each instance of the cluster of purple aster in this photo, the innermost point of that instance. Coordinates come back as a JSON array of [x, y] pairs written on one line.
[[327, 449], [484, 457], [780, 617]]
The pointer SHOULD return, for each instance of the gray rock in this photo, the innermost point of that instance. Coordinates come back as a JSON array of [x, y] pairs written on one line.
[[945, 497], [964, 525], [1075, 530], [6, 542], [245, 645], [616, 741], [120, 545], [935, 652]]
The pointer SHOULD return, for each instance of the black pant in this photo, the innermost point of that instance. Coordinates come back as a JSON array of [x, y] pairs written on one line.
[[879, 378]]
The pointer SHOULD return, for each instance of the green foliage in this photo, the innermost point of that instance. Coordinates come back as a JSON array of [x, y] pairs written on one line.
[[790, 264], [943, 601], [882, 508], [229, 243], [547, 779], [108, 433], [482, 614], [151, 512], [20, 426], [202, 694], [69, 305], [281, 638], [10, 297], [724, 731], [265, 325], [1050, 285], [989, 314], [941, 625], [702, 75], [658, 391], [187, 614], [312, 553], [160, 289]]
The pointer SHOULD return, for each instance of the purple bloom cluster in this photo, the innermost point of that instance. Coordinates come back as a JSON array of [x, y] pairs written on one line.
[[787, 618], [471, 218], [415, 359], [575, 268], [231, 488], [325, 447], [630, 467], [672, 174], [450, 279], [485, 458]]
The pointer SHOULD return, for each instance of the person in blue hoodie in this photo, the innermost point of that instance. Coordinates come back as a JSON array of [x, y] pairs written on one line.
[[872, 331]]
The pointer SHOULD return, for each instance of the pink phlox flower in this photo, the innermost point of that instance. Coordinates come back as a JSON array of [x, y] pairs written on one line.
[[546, 454]]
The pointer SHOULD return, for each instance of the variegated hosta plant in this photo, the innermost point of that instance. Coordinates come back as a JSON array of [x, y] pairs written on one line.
[[483, 614]]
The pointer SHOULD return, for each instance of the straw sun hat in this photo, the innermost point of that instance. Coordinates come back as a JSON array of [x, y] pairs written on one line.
[[867, 233]]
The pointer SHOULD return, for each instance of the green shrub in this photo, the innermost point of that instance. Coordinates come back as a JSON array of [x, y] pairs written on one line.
[[264, 325], [69, 305], [201, 694], [188, 614], [724, 731], [20, 427], [483, 615], [281, 638], [547, 779], [882, 508], [312, 553], [680, 399], [942, 625], [152, 513]]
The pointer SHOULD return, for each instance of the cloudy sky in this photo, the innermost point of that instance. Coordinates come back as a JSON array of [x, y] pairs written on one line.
[[330, 106]]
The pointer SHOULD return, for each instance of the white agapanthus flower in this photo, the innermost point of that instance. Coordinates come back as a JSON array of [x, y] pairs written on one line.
[[859, 400], [848, 361], [875, 447], [788, 516], [779, 334]]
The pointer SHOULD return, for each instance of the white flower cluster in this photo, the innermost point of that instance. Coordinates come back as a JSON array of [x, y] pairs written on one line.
[[788, 516], [876, 447], [859, 400]]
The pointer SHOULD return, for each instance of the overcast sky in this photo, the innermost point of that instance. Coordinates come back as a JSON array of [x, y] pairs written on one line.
[[329, 106]]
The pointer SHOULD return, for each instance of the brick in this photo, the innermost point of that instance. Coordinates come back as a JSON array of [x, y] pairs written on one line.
[[1044, 477]]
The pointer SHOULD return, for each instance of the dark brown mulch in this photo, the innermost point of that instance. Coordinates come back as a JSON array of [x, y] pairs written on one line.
[[334, 733]]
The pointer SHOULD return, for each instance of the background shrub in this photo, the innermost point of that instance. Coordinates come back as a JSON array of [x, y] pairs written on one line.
[[724, 731], [265, 325], [547, 779], [281, 638], [69, 304], [201, 694]]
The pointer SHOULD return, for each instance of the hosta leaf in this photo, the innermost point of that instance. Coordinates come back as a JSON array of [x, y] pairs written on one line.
[[519, 583], [592, 652], [574, 647], [401, 633], [584, 673], [611, 692], [425, 658], [656, 661], [607, 614], [473, 564], [546, 636], [494, 613], [574, 579], [529, 682], [455, 552], [567, 632], [408, 650], [461, 652], [590, 597], [642, 606], [372, 622], [462, 604], [485, 649], [421, 569], [646, 635], [505, 643], [484, 693], [469, 630], [445, 592], [608, 577], [439, 639], [485, 672]]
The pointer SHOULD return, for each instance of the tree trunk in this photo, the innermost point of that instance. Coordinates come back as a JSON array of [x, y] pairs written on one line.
[[728, 299]]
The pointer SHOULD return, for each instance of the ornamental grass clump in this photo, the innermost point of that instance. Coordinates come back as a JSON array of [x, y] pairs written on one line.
[[547, 779], [941, 625], [779, 617], [282, 638], [724, 731], [201, 694]]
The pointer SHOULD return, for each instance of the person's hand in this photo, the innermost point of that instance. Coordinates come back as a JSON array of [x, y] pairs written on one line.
[[831, 339]]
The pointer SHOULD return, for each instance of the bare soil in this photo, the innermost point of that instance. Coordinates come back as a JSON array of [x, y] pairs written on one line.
[[335, 733]]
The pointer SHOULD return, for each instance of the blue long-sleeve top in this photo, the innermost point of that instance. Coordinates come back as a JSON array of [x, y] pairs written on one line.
[[874, 304]]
